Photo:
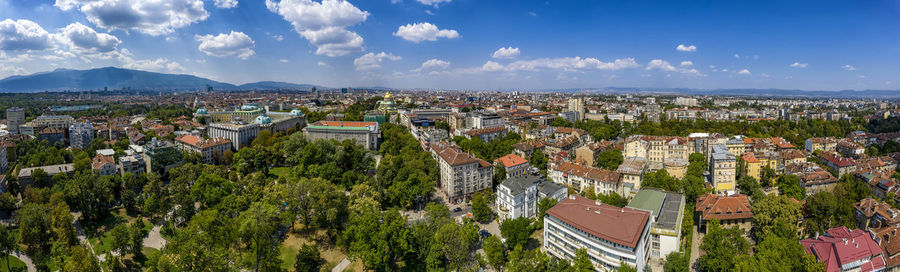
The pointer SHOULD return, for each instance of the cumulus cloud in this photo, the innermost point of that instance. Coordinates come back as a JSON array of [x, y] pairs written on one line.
[[9, 70], [565, 64], [23, 35], [86, 39], [492, 66], [797, 64], [435, 63], [737, 56], [432, 2], [419, 32], [372, 61], [234, 44], [687, 63], [323, 64], [158, 65], [744, 72], [323, 24], [848, 67], [284, 61], [684, 48], [665, 66], [226, 4], [506, 53], [149, 17]]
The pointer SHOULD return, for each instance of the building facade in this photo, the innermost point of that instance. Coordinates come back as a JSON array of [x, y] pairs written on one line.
[[15, 117], [161, 156], [362, 133], [134, 164], [722, 168], [80, 135], [461, 173], [240, 134], [212, 151], [582, 177]]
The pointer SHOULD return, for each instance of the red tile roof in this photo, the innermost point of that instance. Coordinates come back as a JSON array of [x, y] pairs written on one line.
[[840, 246], [601, 175], [454, 156], [476, 132], [511, 160], [837, 160], [100, 161], [713, 206], [623, 226]]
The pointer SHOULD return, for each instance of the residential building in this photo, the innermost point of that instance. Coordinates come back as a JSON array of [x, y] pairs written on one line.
[[841, 165], [582, 177], [4, 158], [134, 164], [362, 133], [15, 117], [26, 179], [632, 172], [576, 104], [52, 135], [587, 154], [817, 181], [161, 156], [722, 167], [666, 210], [486, 134], [658, 149], [686, 101], [513, 164], [827, 144], [485, 119], [518, 196], [850, 149], [461, 173], [104, 165], [889, 241], [841, 249], [212, 151], [60, 122], [870, 213], [240, 134], [734, 210], [80, 135], [611, 235]]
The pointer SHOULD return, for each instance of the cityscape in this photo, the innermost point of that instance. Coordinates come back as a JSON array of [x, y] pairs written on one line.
[[449, 135]]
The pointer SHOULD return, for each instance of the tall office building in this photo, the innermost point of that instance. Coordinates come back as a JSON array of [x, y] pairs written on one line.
[[81, 135], [14, 118], [577, 105]]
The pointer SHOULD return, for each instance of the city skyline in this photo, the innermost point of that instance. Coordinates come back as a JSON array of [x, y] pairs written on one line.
[[465, 44]]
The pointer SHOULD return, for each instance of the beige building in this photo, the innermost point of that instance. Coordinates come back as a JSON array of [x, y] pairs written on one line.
[[583, 177], [461, 173], [658, 149], [212, 151], [632, 172], [362, 133], [722, 168]]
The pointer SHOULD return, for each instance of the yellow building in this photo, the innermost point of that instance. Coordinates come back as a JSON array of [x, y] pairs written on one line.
[[755, 163]]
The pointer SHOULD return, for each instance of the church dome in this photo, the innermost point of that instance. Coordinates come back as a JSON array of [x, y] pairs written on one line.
[[263, 120], [201, 111]]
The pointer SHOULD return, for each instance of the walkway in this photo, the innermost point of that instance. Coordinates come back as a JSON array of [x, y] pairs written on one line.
[[25, 259], [341, 266]]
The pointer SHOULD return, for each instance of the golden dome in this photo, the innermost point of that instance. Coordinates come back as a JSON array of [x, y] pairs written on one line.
[[388, 95]]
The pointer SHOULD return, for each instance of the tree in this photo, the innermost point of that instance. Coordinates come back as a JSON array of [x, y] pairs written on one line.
[[258, 224], [779, 254], [789, 185], [722, 246], [521, 260], [91, 194], [624, 267], [496, 253], [539, 160], [499, 174], [7, 243], [81, 259], [613, 198], [775, 215], [766, 176], [582, 262], [609, 159], [677, 262], [543, 205], [308, 259], [34, 227], [826, 210], [121, 239], [377, 238], [455, 242], [61, 220], [697, 164], [749, 186], [481, 209], [516, 231]]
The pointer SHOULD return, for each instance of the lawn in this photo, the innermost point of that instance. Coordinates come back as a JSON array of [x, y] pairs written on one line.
[[99, 234], [15, 264], [331, 254], [282, 172]]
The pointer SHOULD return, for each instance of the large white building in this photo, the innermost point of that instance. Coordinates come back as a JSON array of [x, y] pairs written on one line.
[[461, 173], [666, 210], [240, 134], [15, 117], [484, 119], [519, 196], [44, 121], [362, 133], [80, 135], [611, 235]]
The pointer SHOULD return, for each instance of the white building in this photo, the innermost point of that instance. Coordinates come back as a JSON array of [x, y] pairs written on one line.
[[611, 235], [81, 135], [104, 165], [132, 164], [44, 121], [483, 119], [461, 173], [582, 177], [577, 105], [519, 196], [666, 210], [240, 134], [362, 133], [686, 101], [15, 117]]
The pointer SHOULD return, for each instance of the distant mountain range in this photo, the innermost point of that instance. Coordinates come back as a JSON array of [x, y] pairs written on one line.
[[119, 78]]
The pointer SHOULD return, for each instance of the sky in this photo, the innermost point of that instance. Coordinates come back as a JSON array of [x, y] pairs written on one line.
[[467, 44]]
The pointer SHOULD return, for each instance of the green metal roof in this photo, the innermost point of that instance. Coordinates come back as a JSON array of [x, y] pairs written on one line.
[[650, 200]]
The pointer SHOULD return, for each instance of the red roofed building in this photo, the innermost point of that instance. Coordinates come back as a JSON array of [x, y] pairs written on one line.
[[582, 177], [211, 151], [731, 211], [513, 164], [462, 174], [611, 235], [839, 164], [841, 249], [104, 165]]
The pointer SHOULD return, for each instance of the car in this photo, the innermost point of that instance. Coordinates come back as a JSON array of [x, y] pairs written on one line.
[[484, 234], [458, 209]]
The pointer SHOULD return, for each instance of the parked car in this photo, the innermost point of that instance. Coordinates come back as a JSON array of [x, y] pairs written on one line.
[[484, 234]]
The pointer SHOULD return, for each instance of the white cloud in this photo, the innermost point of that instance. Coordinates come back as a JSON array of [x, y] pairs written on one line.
[[429, 12], [278, 37], [737, 56], [323, 64], [744, 72], [665, 66], [23, 35], [491, 66], [848, 67], [432, 2], [226, 4], [8, 70], [765, 75], [283, 61], [687, 63], [234, 44], [419, 32], [154, 18], [797, 64], [157, 65], [371, 60], [435, 63], [86, 39], [861, 76], [323, 23], [532, 13], [564, 64], [683, 48], [506, 53]]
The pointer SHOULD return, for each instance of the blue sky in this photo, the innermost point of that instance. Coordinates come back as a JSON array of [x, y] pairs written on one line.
[[467, 44]]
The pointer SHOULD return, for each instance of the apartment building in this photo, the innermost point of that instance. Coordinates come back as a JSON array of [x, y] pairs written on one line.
[[632, 172], [513, 164], [582, 177], [462, 174], [722, 168], [841, 249], [134, 164], [15, 117], [80, 135], [519, 196], [212, 151], [666, 210], [734, 210], [611, 235], [104, 165]]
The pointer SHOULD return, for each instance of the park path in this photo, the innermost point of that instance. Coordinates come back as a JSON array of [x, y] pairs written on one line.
[[695, 249], [82, 238], [25, 259], [154, 239], [341, 266]]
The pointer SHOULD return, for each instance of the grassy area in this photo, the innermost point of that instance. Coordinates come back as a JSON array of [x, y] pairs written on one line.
[[14, 264], [99, 234], [331, 254], [282, 172]]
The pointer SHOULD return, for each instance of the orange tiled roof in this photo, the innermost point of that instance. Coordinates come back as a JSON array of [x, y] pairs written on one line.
[[511, 160], [713, 206]]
